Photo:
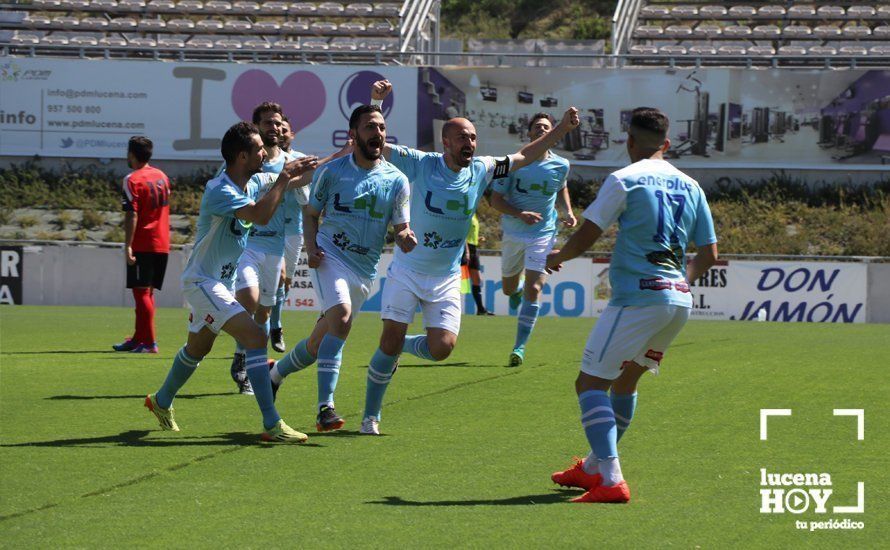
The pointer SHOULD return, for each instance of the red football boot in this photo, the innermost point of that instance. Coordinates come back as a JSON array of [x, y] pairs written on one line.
[[618, 493], [577, 477]]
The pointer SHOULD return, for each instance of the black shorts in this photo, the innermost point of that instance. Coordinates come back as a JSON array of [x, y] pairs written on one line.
[[474, 257], [148, 271]]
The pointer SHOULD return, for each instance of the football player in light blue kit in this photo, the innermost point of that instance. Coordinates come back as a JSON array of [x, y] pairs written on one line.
[[360, 196], [528, 201], [659, 210], [229, 207], [445, 191], [259, 273]]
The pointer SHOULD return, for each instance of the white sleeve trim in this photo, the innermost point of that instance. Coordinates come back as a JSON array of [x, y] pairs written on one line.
[[609, 204]]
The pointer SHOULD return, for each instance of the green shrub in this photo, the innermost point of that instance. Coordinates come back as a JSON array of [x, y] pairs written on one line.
[[27, 221], [92, 219], [115, 235], [5, 216], [64, 219]]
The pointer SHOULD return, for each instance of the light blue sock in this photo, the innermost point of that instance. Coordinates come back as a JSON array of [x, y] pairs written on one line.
[[266, 328], [528, 314], [598, 421], [624, 406], [239, 348], [275, 318], [298, 359], [257, 366], [330, 354], [184, 366], [380, 373], [417, 345]]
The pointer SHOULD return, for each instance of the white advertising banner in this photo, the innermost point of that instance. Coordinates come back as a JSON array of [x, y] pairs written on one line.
[[89, 108], [736, 290]]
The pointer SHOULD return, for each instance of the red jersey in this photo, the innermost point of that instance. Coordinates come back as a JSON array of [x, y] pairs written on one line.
[[147, 193]]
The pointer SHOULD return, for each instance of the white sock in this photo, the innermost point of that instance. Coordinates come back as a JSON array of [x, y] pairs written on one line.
[[610, 469], [591, 464], [276, 376]]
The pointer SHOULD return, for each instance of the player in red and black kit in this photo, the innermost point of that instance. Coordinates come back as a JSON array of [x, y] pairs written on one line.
[[146, 199]]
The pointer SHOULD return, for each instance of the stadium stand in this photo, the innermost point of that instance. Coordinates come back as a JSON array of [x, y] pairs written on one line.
[[175, 29], [751, 33]]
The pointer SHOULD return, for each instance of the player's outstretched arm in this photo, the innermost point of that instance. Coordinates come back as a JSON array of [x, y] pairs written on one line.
[[499, 203], [579, 243], [537, 148], [310, 231], [705, 258], [379, 91], [262, 210], [405, 238]]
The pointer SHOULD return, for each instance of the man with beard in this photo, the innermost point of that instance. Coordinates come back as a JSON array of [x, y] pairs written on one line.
[[445, 191], [229, 207], [360, 195], [259, 269], [527, 200]]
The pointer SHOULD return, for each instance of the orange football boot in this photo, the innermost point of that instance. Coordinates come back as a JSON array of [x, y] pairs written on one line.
[[577, 477], [618, 493]]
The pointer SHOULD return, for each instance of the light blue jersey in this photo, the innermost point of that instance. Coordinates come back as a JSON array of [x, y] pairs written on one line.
[[442, 206], [534, 188], [221, 236], [358, 207], [659, 210], [293, 216], [269, 238]]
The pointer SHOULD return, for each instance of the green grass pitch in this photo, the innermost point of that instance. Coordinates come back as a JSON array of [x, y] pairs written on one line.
[[468, 449]]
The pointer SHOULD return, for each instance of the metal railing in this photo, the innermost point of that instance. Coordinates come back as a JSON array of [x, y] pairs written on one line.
[[422, 57], [623, 22], [415, 21]]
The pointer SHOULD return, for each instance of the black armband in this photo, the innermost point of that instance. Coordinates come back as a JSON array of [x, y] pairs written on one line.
[[501, 168]]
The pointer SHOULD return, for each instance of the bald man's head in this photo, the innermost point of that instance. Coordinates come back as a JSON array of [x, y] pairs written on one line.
[[459, 141]]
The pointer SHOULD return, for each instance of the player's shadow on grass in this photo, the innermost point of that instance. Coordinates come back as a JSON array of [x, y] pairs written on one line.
[[59, 352], [440, 365], [136, 438], [556, 497], [342, 433], [89, 397]]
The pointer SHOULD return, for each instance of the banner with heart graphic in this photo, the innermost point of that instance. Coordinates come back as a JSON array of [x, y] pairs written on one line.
[[80, 108]]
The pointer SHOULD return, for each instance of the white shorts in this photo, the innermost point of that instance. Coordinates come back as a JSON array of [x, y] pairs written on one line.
[[631, 333], [529, 252], [337, 284], [212, 304], [259, 270], [439, 298], [292, 246]]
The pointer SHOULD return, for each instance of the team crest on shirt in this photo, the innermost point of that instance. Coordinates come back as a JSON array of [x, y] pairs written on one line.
[[227, 271], [432, 240], [341, 241]]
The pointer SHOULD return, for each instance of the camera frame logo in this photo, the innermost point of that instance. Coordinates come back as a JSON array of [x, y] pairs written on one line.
[[800, 492]]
